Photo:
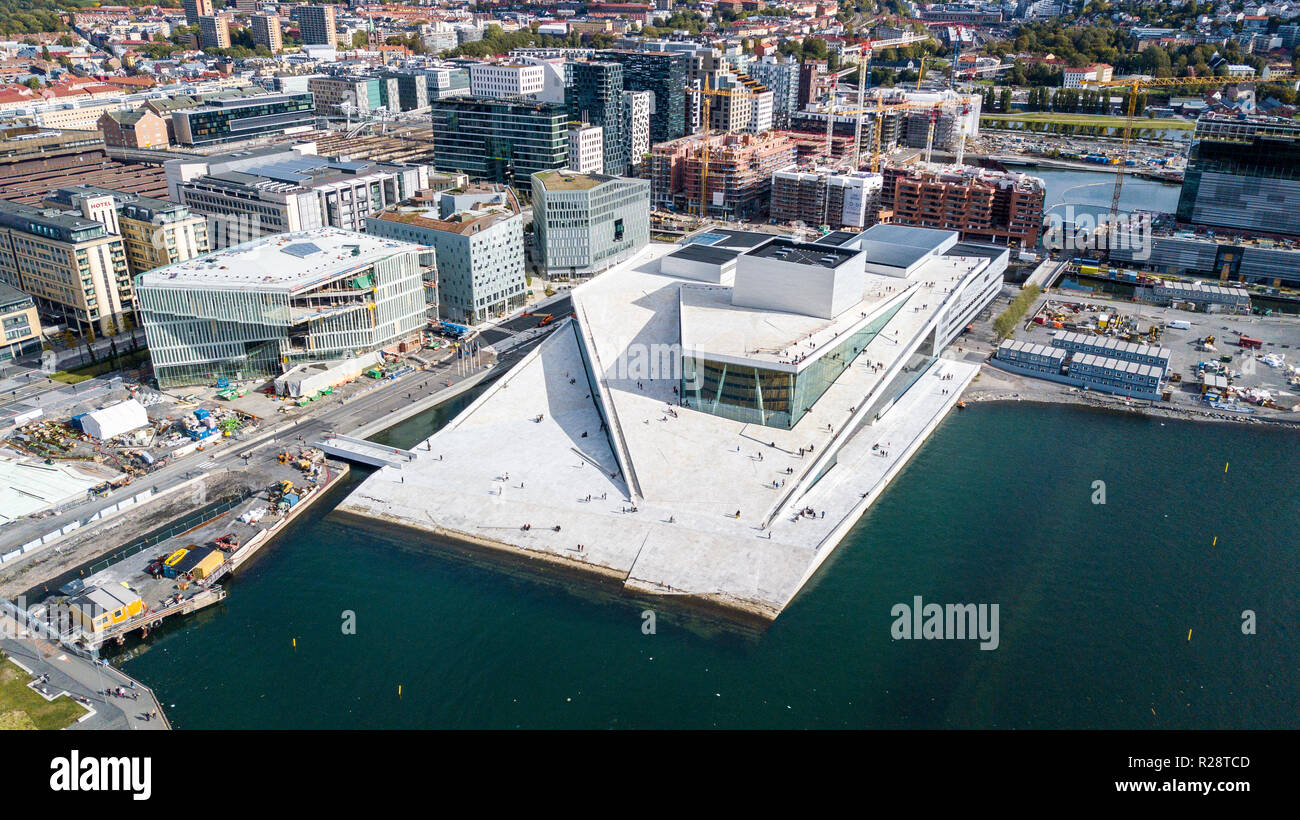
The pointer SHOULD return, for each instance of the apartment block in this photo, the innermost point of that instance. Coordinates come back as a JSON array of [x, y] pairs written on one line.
[[818, 197], [981, 205], [739, 181], [214, 32], [316, 26], [72, 266], [266, 32], [134, 129]]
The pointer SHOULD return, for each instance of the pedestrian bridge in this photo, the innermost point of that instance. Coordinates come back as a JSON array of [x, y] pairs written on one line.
[[365, 452]]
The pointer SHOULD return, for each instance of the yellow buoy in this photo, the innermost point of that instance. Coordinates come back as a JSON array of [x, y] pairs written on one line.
[[1225, 466], [1215, 542], [399, 690], [295, 643], [1189, 634]]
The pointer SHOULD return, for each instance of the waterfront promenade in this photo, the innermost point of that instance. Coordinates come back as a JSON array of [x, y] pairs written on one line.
[[73, 674]]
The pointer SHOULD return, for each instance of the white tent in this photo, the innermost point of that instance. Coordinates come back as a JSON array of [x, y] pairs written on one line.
[[115, 420]]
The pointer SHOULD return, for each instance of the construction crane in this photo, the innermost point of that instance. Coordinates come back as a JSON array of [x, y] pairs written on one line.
[[863, 68], [1135, 86], [706, 96]]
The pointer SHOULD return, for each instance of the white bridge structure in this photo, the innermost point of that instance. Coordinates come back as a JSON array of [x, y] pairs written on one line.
[[365, 452]]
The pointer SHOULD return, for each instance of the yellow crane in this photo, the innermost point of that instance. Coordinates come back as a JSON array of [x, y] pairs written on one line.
[[1135, 87], [706, 96]]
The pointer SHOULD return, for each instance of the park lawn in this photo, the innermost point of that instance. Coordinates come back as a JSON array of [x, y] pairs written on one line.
[[1088, 119], [21, 708]]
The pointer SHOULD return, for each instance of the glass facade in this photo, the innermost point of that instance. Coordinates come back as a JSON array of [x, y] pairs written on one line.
[[241, 120], [1247, 181], [773, 398], [594, 93], [499, 140], [663, 73]]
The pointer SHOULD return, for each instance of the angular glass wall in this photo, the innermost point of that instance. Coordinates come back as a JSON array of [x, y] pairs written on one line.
[[773, 398]]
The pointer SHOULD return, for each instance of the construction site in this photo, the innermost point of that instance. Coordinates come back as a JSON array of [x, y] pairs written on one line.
[[89, 597]]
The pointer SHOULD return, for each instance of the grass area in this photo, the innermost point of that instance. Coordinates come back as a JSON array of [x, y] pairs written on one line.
[[1087, 119], [81, 373], [21, 708], [1005, 325]]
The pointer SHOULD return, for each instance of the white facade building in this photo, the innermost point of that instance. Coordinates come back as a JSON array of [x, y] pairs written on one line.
[[639, 106], [257, 309], [587, 223], [506, 79], [587, 149]]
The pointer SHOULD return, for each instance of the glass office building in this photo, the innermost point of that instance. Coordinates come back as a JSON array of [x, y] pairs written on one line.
[[500, 141], [594, 94], [243, 119], [664, 73], [772, 397], [1243, 174]]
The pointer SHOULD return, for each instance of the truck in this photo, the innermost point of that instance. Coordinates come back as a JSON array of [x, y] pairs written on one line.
[[1250, 342]]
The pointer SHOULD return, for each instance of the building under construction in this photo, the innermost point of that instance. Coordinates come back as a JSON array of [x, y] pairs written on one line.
[[820, 196], [983, 205], [739, 176]]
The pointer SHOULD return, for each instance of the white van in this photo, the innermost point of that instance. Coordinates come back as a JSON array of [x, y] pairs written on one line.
[[1180, 324]]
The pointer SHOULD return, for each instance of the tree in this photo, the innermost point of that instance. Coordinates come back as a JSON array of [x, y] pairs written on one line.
[[1004, 104], [361, 39]]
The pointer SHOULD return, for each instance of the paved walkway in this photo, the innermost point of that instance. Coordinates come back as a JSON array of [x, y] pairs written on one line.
[[76, 675]]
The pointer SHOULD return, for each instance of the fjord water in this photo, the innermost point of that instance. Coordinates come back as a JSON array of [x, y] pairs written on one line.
[[1096, 601]]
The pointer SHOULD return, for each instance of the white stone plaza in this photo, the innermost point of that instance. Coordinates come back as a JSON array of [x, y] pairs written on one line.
[[684, 435]]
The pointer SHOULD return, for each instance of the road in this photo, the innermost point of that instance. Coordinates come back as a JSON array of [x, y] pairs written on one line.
[[559, 309]]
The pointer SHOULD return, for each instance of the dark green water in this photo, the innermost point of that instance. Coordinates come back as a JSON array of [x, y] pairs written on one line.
[[1096, 602]]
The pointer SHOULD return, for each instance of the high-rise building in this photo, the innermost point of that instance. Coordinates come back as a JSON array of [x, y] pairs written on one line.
[[73, 267], [1243, 175], [316, 25], [587, 223], [586, 148], [478, 234], [499, 140], [214, 32], [258, 309], [266, 32], [593, 92], [781, 76], [637, 106], [664, 73], [194, 9]]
